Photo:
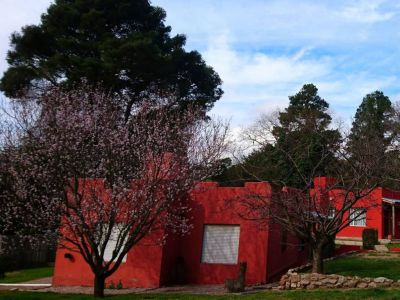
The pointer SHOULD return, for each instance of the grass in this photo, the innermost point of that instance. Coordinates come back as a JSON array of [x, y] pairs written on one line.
[[365, 267], [26, 275], [272, 295]]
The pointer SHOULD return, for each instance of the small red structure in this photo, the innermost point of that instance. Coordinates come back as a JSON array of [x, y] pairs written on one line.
[[210, 254]]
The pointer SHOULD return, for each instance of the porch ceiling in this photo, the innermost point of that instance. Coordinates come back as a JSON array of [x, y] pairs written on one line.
[[390, 200]]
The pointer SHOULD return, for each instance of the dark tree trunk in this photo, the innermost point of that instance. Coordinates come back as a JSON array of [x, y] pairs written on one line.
[[99, 282], [317, 259]]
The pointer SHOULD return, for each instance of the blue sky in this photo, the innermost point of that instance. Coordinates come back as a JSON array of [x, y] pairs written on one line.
[[266, 50]]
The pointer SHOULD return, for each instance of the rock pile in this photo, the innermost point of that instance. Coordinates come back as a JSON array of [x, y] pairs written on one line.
[[314, 281]]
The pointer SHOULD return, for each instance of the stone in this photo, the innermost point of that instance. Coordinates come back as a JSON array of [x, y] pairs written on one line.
[[329, 280], [351, 283], [314, 276], [341, 279], [396, 284], [304, 281], [372, 284], [305, 276], [390, 281], [362, 285], [282, 282], [295, 278], [338, 285], [380, 279], [293, 285]]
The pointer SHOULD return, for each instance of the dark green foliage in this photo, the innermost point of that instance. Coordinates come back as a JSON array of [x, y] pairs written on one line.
[[123, 45], [373, 130], [304, 144], [229, 174], [369, 238], [373, 120], [119, 285]]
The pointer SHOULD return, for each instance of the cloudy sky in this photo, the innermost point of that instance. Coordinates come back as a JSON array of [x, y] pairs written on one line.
[[266, 50]]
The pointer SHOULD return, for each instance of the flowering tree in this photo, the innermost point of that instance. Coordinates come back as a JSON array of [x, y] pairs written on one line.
[[147, 166]]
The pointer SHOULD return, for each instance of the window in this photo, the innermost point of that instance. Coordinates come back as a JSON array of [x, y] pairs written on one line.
[[112, 243], [220, 244], [331, 213], [358, 216]]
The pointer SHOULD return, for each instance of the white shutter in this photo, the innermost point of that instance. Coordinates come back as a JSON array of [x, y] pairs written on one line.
[[111, 244], [220, 244]]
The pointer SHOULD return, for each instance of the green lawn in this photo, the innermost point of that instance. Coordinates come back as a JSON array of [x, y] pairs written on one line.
[[366, 266], [26, 275], [318, 294]]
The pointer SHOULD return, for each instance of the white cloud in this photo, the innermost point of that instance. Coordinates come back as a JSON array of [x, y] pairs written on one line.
[[367, 12], [258, 82]]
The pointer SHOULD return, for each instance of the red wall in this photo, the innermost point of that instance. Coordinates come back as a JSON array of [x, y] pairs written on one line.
[[281, 258], [142, 268], [209, 206]]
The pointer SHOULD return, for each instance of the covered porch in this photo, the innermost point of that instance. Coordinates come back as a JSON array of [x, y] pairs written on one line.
[[391, 218]]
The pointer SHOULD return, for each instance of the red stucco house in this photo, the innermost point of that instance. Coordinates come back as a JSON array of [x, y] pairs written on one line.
[[210, 254], [220, 239]]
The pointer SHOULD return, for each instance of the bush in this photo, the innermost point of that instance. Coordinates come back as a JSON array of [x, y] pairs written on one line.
[[369, 238]]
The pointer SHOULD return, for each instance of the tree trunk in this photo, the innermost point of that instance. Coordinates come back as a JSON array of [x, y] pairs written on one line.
[[317, 260], [99, 282]]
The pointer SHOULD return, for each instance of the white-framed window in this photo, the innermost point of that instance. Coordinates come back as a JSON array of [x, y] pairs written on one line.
[[358, 216], [220, 244], [331, 213]]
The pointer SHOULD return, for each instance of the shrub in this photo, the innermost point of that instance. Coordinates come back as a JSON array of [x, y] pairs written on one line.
[[329, 249], [119, 285], [369, 238]]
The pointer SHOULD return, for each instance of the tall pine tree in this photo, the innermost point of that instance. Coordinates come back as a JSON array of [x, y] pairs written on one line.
[[373, 121], [303, 146], [372, 133]]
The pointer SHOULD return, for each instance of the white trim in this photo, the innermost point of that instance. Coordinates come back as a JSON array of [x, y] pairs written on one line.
[[390, 200]]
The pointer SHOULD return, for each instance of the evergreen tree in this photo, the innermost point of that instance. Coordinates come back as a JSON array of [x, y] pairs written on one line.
[[123, 45], [303, 146], [373, 121], [372, 133]]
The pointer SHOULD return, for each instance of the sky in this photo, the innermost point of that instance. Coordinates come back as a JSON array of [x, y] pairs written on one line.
[[265, 50]]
